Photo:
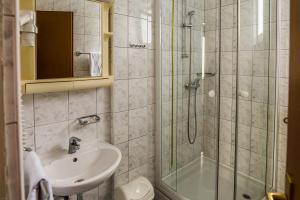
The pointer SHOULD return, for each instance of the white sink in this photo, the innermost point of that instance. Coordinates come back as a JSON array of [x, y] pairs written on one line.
[[80, 172]]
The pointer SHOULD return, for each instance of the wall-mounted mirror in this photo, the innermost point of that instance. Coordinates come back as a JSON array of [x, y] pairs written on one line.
[[68, 42], [65, 45]]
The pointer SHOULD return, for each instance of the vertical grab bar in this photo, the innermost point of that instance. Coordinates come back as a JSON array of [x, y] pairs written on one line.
[[203, 51]]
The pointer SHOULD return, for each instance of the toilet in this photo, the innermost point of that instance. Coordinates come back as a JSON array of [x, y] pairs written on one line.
[[138, 189]]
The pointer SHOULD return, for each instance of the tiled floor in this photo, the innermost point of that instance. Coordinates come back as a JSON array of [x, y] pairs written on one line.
[[197, 181]]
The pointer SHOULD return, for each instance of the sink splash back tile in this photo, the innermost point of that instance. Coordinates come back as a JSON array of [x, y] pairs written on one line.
[[27, 110], [120, 126], [103, 100], [138, 149], [103, 128], [50, 108], [82, 103], [51, 140], [124, 148], [137, 123], [28, 139], [121, 180], [50, 119]]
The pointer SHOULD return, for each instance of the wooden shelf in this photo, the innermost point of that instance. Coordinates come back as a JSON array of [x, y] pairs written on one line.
[[64, 84]]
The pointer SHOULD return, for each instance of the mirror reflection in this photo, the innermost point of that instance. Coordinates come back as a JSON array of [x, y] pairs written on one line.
[[68, 42]]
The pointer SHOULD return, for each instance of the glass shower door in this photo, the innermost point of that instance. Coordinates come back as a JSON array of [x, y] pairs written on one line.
[[189, 99], [255, 97], [197, 103]]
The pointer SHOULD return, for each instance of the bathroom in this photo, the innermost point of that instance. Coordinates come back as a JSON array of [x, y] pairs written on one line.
[[149, 99]]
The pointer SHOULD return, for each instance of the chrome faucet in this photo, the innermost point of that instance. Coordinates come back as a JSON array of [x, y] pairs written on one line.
[[74, 145]]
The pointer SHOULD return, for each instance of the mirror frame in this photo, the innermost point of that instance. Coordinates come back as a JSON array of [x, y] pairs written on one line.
[[30, 84]]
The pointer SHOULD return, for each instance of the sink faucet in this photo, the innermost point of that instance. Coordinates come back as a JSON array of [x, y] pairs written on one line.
[[74, 145]]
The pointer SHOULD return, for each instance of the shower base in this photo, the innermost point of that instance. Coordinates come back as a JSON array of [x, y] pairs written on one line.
[[197, 181]]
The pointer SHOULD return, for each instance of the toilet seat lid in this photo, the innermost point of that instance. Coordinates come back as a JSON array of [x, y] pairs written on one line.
[[139, 189]]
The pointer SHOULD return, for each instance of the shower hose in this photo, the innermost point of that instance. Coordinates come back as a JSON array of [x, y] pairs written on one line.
[[192, 140], [191, 86]]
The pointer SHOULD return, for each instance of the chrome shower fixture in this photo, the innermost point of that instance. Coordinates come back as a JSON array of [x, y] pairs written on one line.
[[190, 15], [193, 84]]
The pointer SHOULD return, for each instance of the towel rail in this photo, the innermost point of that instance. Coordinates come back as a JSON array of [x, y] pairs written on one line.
[[79, 53]]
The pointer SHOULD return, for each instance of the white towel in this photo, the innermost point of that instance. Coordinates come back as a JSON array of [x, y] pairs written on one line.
[[35, 177], [95, 64]]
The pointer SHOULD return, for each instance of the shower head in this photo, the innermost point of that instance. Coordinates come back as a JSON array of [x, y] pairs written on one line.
[[188, 20], [189, 16], [191, 13]]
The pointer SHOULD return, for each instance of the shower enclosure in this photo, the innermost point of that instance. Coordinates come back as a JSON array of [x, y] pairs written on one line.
[[216, 98]]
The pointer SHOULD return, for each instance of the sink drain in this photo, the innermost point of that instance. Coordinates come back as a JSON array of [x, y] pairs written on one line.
[[246, 196], [79, 180]]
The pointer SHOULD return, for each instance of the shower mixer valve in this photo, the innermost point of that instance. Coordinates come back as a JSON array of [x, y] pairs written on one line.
[[193, 84]]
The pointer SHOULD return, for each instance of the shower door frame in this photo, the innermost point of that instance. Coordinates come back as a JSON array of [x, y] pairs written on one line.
[[275, 141], [163, 188], [159, 184]]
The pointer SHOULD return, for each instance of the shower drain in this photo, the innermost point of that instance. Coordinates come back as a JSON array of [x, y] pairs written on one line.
[[246, 196]]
